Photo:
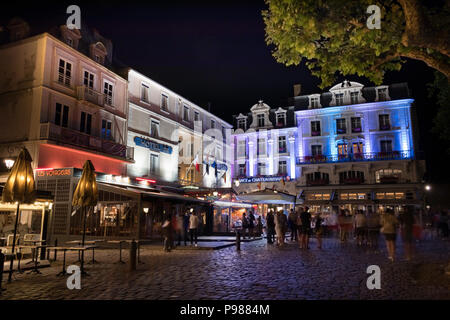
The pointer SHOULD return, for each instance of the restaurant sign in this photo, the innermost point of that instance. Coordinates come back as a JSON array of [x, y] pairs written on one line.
[[263, 179], [152, 145]]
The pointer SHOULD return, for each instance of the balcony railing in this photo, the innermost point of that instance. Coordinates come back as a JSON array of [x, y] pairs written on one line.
[[87, 94], [371, 156], [50, 131]]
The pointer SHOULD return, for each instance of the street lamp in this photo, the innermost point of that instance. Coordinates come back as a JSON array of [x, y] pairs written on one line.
[[146, 210], [215, 193], [9, 163], [428, 187]]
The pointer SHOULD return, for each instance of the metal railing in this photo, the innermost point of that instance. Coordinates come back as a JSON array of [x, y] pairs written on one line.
[[50, 131], [356, 157], [87, 94]]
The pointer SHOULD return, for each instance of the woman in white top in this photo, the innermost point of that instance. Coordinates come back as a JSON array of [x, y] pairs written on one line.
[[193, 225]]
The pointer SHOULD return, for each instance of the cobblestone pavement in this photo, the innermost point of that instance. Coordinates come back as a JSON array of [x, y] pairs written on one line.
[[259, 271]]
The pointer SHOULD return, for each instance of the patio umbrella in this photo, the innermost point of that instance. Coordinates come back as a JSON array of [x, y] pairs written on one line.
[[20, 188], [86, 192]]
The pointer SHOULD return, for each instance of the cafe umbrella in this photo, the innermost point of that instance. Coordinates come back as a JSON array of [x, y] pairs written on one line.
[[20, 188], [86, 195]]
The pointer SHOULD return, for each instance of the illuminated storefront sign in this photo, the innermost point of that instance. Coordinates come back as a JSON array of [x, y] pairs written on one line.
[[152, 145], [263, 179], [49, 172]]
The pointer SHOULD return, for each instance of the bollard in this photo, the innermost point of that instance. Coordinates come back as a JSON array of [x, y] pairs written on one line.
[[238, 240], [133, 249], [2, 261]]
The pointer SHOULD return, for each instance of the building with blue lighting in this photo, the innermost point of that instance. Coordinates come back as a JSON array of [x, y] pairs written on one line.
[[352, 147]]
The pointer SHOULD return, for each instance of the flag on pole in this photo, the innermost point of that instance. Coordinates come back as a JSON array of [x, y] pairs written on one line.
[[224, 176], [283, 182], [215, 167], [196, 163]]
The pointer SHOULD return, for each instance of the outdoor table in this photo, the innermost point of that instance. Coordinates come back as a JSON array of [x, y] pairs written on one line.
[[120, 248], [65, 249], [34, 244], [35, 252], [18, 253], [92, 242]]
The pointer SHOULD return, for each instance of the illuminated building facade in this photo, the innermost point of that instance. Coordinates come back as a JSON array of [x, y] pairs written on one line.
[[349, 148]]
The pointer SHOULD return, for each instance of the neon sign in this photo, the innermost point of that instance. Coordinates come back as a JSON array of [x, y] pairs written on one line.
[[152, 145]]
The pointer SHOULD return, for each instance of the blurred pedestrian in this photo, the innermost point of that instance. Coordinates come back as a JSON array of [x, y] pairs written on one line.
[[167, 233], [251, 224], [185, 227], [306, 228], [292, 223], [299, 226], [342, 222], [373, 229], [280, 227], [406, 220], [270, 227], [259, 226], [318, 229], [360, 225], [179, 227], [389, 225], [245, 225], [193, 228]]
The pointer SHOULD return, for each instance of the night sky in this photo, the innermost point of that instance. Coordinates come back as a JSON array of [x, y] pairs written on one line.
[[211, 52]]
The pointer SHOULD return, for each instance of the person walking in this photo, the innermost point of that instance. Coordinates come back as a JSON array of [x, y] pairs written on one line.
[[167, 233], [259, 226], [342, 226], [373, 227], [360, 225], [299, 226], [179, 227], [185, 227], [319, 229], [292, 223], [406, 220], [389, 228], [193, 226], [280, 227], [251, 225], [306, 228], [270, 227]]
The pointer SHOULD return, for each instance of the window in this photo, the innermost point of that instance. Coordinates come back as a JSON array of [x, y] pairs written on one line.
[[352, 196], [382, 94], [144, 93], [85, 122], [196, 116], [224, 134], [260, 118], [261, 169], [357, 147], [106, 129], [62, 115], [281, 119], [261, 146], [64, 72], [154, 163], [88, 80], [69, 41], [318, 177], [315, 128], [108, 92], [351, 177], [342, 149], [314, 102], [154, 128], [387, 175], [316, 149], [386, 146], [390, 195], [318, 196], [186, 113], [282, 144], [164, 102], [354, 97], [213, 124], [282, 168], [241, 124], [242, 169], [341, 126], [241, 148], [356, 124], [339, 99], [384, 122]]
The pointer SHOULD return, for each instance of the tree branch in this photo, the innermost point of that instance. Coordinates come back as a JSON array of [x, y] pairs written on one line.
[[419, 31], [432, 61]]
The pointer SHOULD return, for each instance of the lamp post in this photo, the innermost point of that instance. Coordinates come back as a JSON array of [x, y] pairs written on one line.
[[19, 188]]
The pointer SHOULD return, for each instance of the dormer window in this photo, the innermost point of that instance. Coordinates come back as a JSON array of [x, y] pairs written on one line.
[[260, 118], [354, 97], [69, 41], [339, 99], [382, 94], [242, 124], [98, 52], [281, 119], [70, 36], [314, 102]]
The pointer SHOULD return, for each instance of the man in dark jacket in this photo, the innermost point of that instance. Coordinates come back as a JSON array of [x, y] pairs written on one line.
[[270, 227]]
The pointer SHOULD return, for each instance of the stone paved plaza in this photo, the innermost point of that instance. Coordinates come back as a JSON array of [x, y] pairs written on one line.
[[259, 271]]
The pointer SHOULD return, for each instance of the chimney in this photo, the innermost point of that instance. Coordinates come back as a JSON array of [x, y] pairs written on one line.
[[297, 89]]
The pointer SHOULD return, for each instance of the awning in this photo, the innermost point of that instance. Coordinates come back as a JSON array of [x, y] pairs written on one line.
[[268, 196], [166, 195]]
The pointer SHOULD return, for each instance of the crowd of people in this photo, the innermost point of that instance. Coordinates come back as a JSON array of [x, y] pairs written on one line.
[[181, 227], [299, 225]]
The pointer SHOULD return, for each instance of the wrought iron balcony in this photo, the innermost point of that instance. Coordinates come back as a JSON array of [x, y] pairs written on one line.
[[87, 94], [50, 131], [355, 157]]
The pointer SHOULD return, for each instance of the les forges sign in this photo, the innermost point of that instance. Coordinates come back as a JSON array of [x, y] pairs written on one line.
[[53, 172]]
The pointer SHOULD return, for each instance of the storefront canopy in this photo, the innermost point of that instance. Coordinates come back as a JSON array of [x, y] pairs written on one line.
[[167, 195], [268, 196]]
